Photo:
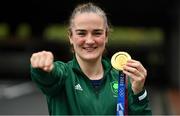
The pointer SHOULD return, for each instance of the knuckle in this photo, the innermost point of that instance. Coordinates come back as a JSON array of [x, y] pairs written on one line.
[[31, 59], [130, 75], [138, 65], [48, 63], [50, 54], [33, 55], [134, 70], [145, 72], [138, 62], [141, 79]]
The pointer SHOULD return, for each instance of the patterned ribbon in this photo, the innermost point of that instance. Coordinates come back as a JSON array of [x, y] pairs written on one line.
[[121, 95]]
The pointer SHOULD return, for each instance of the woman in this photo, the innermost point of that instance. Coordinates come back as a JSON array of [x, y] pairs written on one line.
[[86, 84]]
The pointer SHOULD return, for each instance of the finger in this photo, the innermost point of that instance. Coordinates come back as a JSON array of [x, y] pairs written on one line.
[[133, 77], [132, 70], [42, 58], [49, 59], [45, 59], [133, 63], [48, 68], [34, 60], [130, 75], [137, 65]]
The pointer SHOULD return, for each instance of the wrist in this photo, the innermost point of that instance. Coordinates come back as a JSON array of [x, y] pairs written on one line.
[[137, 90]]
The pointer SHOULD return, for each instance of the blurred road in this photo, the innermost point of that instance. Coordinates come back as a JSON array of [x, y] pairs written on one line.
[[28, 101]]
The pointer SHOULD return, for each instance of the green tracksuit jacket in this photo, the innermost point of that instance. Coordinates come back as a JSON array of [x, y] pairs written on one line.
[[69, 91]]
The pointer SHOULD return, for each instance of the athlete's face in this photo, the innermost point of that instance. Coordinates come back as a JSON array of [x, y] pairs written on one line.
[[88, 36]]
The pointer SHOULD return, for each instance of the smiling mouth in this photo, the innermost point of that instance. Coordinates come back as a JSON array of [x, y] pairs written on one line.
[[89, 49]]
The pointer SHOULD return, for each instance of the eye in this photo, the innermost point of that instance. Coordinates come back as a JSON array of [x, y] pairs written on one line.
[[97, 33], [81, 33]]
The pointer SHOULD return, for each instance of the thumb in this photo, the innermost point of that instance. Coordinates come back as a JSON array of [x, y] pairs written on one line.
[[48, 68]]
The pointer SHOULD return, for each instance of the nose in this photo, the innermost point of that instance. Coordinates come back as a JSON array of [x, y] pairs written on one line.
[[89, 39]]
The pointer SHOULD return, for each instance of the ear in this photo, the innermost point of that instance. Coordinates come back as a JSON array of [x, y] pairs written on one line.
[[70, 37], [106, 39], [106, 34]]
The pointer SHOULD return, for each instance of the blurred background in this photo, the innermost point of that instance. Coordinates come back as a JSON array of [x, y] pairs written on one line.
[[149, 30]]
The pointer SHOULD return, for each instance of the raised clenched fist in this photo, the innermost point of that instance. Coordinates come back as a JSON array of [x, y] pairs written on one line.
[[43, 60]]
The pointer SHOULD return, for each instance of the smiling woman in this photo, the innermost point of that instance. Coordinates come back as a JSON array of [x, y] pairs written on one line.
[[88, 80], [88, 36]]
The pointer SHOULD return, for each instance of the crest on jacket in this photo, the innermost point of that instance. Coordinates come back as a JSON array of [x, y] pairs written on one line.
[[114, 88]]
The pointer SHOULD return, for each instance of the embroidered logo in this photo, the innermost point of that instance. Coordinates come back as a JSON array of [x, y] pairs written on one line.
[[114, 88], [78, 87]]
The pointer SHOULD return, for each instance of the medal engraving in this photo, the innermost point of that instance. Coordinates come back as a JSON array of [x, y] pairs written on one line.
[[119, 59]]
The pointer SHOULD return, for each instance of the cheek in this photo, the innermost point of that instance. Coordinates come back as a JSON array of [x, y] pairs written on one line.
[[101, 41], [78, 41]]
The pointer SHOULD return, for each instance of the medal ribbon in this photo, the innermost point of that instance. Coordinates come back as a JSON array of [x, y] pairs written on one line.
[[121, 94]]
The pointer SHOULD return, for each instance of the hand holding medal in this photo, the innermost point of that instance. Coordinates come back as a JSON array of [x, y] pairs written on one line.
[[134, 69]]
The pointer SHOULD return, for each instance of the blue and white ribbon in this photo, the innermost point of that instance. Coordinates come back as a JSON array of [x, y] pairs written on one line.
[[121, 95]]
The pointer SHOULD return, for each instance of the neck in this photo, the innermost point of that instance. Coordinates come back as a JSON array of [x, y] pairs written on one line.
[[92, 69]]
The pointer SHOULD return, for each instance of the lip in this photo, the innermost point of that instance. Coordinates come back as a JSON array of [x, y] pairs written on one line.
[[89, 48]]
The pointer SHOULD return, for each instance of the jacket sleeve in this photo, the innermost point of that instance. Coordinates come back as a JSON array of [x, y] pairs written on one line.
[[49, 82], [138, 104]]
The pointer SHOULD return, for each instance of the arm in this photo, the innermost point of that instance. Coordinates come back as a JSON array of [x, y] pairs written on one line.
[[137, 100], [138, 104], [48, 75]]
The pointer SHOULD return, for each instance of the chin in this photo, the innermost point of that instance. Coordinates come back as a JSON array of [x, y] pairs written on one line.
[[91, 57]]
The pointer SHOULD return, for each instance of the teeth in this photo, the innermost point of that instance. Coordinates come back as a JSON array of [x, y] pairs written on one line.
[[89, 48]]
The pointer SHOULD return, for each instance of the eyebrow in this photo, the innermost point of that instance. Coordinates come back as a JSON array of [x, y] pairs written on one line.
[[83, 30], [100, 30], [77, 30]]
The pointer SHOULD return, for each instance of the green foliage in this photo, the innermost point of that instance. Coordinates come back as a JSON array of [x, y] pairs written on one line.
[[23, 31], [4, 31], [136, 36], [56, 32]]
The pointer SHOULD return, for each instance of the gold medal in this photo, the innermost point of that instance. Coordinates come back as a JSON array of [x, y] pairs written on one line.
[[119, 59]]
